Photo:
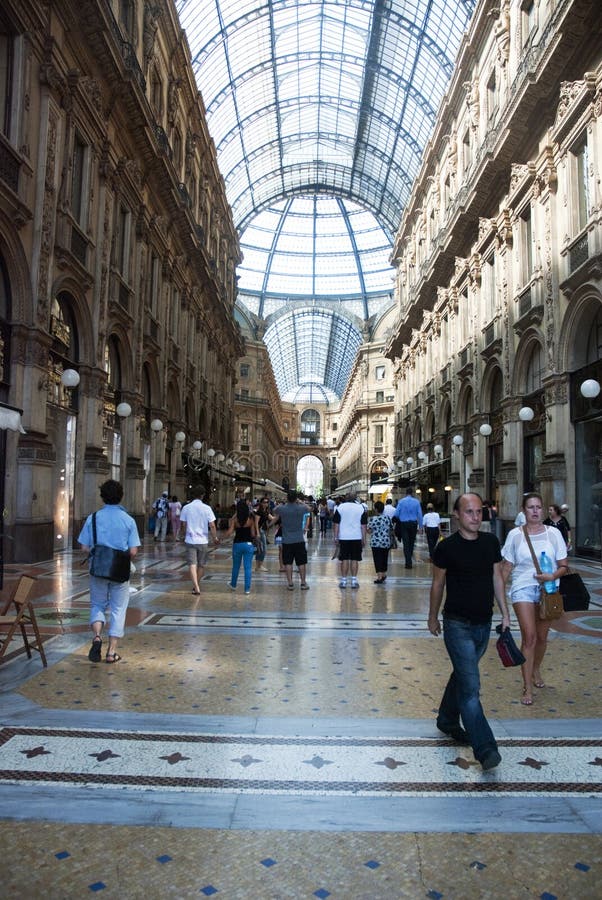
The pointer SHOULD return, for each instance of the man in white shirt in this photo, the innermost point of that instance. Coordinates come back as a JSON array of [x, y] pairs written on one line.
[[199, 519], [349, 526]]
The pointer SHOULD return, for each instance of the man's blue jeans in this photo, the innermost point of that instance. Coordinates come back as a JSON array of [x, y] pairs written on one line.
[[466, 644]]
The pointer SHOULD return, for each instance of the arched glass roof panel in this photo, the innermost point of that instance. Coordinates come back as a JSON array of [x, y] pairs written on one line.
[[343, 67], [312, 346], [320, 111]]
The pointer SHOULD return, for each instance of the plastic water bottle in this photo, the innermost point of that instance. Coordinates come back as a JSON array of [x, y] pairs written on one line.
[[545, 564]]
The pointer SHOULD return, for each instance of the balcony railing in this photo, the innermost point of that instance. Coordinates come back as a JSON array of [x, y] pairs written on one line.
[[578, 253]]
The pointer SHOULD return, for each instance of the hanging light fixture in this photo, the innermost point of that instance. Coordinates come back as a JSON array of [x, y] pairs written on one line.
[[590, 388], [485, 429], [525, 414]]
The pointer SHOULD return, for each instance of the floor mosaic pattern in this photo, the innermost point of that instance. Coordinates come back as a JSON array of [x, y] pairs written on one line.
[[283, 744]]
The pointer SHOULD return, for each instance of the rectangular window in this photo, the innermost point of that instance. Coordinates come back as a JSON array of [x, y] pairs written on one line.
[[526, 238], [488, 287], [175, 315], [79, 181], [154, 285], [466, 150], [380, 396], [379, 431], [580, 154], [492, 97], [6, 65], [244, 433], [244, 393], [379, 373], [123, 242], [528, 19], [244, 370]]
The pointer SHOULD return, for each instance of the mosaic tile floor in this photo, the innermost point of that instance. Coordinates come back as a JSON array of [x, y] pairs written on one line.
[[282, 744]]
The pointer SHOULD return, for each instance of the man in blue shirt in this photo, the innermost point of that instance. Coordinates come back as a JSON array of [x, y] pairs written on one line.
[[114, 528], [408, 513]]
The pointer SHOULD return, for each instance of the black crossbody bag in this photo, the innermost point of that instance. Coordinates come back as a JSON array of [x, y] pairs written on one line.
[[106, 562]]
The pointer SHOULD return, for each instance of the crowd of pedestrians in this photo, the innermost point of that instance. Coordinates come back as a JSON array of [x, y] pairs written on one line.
[[470, 571]]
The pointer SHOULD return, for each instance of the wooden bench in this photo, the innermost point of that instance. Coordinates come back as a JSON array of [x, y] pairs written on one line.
[[23, 618]]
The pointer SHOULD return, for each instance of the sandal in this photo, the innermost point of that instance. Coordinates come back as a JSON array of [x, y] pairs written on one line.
[[538, 684], [112, 658], [94, 654], [526, 699]]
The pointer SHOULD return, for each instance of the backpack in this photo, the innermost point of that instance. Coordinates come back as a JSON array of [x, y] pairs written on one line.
[[161, 505]]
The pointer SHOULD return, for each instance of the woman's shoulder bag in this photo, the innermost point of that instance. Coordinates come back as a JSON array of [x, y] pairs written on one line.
[[550, 605], [106, 562]]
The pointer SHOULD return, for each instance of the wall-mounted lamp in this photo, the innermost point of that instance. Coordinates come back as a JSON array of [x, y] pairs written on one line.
[[123, 410], [156, 425], [410, 461], [70, 378], [457, 440], [422, 455], [485, 429], [210, 452], [590, 388], [431, 490], [526, 414], [179, 437], [400, 463], [197, 445], [447, 488], [219, 458], [438, 450]]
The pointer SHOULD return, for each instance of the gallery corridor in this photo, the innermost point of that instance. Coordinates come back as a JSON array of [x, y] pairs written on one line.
[[283, 745]]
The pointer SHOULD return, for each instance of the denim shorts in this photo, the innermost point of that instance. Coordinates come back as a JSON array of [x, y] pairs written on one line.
[[531, 593]]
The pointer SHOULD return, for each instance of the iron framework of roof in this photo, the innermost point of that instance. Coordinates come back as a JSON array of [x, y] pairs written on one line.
[[321, 98]]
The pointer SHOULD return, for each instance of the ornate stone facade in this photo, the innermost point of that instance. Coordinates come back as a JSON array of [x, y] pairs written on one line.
[[118, 252]]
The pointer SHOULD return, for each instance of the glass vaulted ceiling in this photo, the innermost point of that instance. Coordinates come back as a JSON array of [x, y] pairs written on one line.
[[320, 111]]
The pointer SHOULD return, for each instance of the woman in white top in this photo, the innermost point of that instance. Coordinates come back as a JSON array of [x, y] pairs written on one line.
[[525, 592]]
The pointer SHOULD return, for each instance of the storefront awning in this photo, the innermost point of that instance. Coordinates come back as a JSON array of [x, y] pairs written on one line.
[[10, 418], [380, 487]]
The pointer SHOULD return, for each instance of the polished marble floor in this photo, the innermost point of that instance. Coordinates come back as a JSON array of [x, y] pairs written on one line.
[[282, 744]]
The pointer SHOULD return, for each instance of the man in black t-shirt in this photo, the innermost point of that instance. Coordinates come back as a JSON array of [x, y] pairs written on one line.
[[468, 564]]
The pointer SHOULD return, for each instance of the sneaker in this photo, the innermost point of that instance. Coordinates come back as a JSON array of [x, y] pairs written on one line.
[[247, 592], [343, 582], [354, 583], [232, 586], [491, 759]]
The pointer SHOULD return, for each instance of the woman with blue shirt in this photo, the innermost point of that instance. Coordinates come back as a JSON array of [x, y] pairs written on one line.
[[114, 528]]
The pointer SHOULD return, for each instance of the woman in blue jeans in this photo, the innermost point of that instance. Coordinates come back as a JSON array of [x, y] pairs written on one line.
[[243, 527]]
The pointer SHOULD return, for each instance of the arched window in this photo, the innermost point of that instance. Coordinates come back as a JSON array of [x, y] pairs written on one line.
[[534, 370], [310, 427]]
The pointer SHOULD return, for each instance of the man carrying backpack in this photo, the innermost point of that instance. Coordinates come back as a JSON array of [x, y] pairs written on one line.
[[161, 508]]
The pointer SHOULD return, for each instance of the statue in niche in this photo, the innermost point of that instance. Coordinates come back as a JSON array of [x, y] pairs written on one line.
[[472, 101], [502, 33], [149, 35], [172, 99]]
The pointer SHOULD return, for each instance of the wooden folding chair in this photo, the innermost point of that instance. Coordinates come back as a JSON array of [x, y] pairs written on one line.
[[23, 618]]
